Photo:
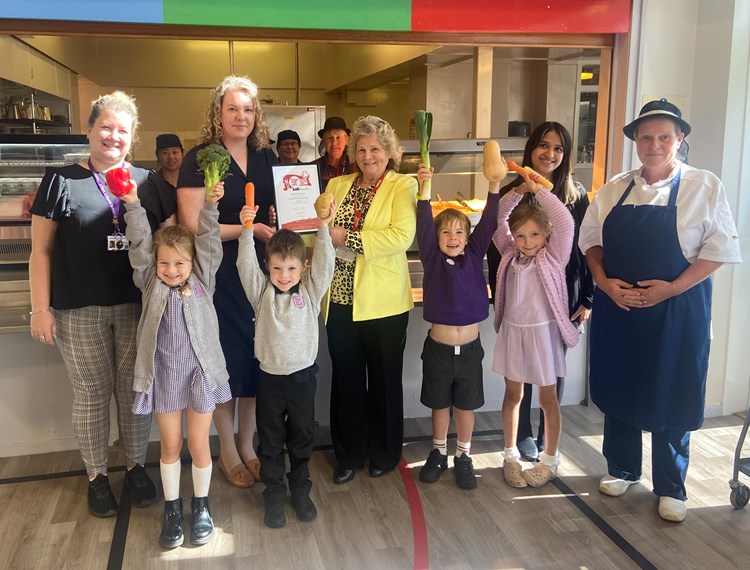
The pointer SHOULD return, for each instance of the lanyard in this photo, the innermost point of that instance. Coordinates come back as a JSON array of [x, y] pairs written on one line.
[[359, 211], [113, 207]]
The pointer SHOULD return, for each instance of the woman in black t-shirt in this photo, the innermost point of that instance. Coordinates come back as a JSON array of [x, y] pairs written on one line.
[[83, 298]]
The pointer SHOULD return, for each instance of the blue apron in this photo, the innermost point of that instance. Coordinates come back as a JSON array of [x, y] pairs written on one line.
[[648, 366]]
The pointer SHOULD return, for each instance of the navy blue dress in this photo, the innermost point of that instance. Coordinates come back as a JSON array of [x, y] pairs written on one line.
[[236, 316]]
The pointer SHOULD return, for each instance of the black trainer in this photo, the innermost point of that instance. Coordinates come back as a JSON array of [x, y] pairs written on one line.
[[434, 466], [463, 468], [102, 502], [202, 525], [171, 529], [141, 486]]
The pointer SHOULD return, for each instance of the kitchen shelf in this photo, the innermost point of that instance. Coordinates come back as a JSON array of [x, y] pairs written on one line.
[[32, 122], [24, 109]]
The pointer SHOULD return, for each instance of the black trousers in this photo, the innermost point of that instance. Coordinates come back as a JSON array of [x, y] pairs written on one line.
[[285, 414], [367, 399]]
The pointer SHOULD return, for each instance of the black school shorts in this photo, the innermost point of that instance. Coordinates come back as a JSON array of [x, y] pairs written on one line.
[[452, 376]]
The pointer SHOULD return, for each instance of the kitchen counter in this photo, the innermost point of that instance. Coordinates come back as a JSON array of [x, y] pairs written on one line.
[[15, 298]]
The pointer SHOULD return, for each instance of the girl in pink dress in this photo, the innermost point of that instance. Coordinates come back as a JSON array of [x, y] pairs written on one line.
[[531, 318]]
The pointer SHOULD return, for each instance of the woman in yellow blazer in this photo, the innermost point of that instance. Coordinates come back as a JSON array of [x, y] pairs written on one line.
[[367, 306]]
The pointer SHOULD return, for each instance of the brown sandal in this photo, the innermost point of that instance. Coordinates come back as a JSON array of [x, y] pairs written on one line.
[[253, 465], [238, 475], [513, 474], [539, 475]]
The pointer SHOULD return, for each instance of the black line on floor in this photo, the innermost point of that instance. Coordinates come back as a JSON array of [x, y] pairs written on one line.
[[620, 541], [119, 540], [120, 536]]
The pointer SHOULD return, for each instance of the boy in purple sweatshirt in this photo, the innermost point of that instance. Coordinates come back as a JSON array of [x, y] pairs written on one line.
[[455, 302]]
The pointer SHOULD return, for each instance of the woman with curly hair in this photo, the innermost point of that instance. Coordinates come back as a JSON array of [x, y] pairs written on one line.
[[367, 306], [234, 120]]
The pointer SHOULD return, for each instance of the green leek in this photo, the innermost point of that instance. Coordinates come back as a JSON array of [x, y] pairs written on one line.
[[423, 123]]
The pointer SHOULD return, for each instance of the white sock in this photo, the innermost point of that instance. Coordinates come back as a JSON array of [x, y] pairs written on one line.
[[202, 480], [170, 479], [512, 454], [441, 445], [463, 447], [550, 461]]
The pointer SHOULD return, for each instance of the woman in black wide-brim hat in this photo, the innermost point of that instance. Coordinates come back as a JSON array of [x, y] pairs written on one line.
[[653, 237], [334, 160]]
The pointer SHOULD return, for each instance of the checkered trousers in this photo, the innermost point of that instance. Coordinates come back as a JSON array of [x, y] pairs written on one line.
[[98, 346]]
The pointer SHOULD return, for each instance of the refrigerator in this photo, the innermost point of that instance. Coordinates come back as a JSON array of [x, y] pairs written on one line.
[[306, 120]]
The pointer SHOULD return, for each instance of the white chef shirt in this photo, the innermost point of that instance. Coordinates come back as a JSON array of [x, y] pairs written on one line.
[[705, 227]]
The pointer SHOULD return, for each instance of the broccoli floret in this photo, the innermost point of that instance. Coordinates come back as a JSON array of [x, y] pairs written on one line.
[[214, 162]]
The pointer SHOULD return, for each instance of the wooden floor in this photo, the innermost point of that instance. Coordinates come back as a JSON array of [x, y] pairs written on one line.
[[369, 523]]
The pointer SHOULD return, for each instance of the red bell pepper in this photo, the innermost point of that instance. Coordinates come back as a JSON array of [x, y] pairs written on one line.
[[119, 182]]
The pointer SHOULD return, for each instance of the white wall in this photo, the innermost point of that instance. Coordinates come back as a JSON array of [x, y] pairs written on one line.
[[695, 52]]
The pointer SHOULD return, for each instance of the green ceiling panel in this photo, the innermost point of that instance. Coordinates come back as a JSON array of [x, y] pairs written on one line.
[[390, 15]]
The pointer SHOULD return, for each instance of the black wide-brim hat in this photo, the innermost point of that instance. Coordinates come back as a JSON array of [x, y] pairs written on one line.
[[334, 123], [655, 109]]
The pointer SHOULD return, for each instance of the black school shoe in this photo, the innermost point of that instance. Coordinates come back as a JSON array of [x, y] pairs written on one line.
[[463, 467], [171, 529], [202, 525], [434, 466], [102, 502], [274, 516], [141, 486]]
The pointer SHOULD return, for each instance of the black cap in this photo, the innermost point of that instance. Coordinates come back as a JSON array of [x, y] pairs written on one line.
[[660, 108], [167, 140], [288, 134], [334, 123]]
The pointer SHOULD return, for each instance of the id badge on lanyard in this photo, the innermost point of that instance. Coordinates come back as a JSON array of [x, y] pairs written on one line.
[[116, 241]]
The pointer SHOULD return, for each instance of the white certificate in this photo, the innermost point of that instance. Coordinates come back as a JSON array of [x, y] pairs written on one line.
[[297, 187]]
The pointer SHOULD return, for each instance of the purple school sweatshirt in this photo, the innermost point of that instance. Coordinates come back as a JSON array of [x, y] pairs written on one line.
[[454, 288]]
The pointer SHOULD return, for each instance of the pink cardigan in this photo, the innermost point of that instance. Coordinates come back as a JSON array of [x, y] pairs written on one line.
[[551, 259]]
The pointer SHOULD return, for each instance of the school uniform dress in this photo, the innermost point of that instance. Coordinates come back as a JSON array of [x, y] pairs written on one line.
[[531, 301], [180, 380], [648, 366], [179, 363]]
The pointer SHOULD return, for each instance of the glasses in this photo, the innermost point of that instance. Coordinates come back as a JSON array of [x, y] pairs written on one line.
[[289, 143]]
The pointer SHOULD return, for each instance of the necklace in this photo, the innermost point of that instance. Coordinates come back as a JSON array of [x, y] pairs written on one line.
[[360, 206]]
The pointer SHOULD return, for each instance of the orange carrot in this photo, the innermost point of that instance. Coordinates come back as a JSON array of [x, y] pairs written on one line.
[[533, 174], [249, 200]]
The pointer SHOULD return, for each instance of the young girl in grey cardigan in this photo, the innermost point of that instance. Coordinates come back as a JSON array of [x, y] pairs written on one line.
[[180, 364]]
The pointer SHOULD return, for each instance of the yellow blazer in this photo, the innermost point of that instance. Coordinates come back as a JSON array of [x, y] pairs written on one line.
[[382, 287]]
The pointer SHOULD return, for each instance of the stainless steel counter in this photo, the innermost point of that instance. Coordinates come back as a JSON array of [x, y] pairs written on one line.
[[15, 298]]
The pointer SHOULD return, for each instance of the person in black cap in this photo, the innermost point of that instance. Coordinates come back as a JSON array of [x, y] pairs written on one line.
[[652, 238], [288, 146], [169, 154], [334, 160]]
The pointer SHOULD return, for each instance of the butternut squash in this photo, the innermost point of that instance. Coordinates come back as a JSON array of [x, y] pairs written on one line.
[[494, 166]]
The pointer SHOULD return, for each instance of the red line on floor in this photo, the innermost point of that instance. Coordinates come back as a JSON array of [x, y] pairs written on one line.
[[419, 528]]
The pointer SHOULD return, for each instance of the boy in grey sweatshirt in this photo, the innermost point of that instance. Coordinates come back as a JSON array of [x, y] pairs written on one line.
[[286, 304]]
